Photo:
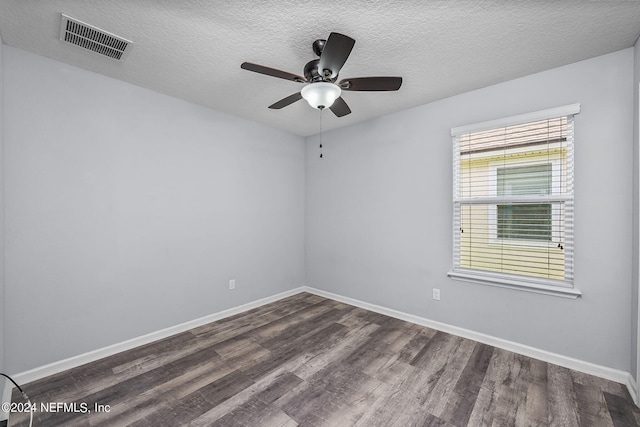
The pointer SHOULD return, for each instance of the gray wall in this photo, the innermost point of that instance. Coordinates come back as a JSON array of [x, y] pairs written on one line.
[[636, 212], [2, 302], [379, 213], [128, 211]]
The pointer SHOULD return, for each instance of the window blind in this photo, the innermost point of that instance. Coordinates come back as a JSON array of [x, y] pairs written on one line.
[[513, 199]]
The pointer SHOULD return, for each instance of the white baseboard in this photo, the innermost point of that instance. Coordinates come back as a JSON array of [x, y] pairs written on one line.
[[536, 353], [579, 365], [632, 386], [91, 356]]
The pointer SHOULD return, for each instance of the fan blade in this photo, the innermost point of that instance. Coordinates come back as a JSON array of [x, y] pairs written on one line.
[[371, 83], [334, 55], [340, 108], [286, 101], [272, 72]]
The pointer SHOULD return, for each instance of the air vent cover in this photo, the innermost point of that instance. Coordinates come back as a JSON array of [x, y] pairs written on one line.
[[92, 38]]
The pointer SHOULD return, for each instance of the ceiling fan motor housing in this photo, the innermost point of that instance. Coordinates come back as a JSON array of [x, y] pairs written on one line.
[[312, 73], [318, 46]]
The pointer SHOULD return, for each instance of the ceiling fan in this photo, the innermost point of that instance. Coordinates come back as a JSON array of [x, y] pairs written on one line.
[[320, 75]]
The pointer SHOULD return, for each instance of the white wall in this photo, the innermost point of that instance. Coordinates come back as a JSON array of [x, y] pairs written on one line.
[[128, 211], [379, 213]]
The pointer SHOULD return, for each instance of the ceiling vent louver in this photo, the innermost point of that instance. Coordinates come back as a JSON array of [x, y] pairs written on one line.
[[92, 38]]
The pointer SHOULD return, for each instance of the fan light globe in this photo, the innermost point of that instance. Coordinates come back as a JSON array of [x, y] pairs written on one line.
[[321, 94]]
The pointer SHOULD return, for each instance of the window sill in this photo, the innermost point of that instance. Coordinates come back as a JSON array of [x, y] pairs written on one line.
[[538, 288]]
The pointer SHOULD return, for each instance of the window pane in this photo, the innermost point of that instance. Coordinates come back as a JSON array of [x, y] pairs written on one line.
[[480, 250], [527, 221], [524, 180]]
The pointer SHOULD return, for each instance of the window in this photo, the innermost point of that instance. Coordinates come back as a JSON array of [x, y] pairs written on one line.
[[524, 221], [513, 202]]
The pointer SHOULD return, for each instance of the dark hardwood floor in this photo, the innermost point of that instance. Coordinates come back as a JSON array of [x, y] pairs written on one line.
[[310, 361]]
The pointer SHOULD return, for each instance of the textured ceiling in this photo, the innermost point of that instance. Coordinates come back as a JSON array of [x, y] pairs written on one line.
[[193, 49]]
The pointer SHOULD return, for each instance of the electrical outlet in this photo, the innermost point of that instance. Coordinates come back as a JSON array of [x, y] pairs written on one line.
[[436, 294], [232, 284]]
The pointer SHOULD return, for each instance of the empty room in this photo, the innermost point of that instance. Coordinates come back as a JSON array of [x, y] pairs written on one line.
[[337, 213]]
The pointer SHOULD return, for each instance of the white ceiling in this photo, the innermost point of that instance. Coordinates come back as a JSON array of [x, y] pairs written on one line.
[[193, 49]]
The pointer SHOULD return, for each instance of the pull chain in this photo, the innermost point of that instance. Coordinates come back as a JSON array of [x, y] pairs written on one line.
[[321, 132]]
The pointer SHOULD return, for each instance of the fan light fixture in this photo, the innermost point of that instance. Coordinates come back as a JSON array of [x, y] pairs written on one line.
[[321, 87], [321, 94]]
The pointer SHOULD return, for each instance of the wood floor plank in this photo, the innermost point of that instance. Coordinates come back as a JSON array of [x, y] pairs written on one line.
[[563, 410], [497, 374], [536, 410], [465, 392], [593, 382], [356, 317], [298, 318], [485, 405], [394, 372], [592, 407], [268, 389], [397, 407], [254, 412], [340, 349], [433, 421], [199, 401], [296, 327], [346, 394], [318, 339], [311, 401], [621, 410], [510, 407], [434, 347], [309, 361], [358, 403], [444, 371]]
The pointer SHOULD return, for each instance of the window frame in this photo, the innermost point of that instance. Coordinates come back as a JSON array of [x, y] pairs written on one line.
[[565, 288]]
